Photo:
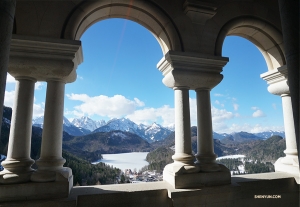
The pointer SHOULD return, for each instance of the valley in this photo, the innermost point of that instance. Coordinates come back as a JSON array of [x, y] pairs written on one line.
[[261, 150]]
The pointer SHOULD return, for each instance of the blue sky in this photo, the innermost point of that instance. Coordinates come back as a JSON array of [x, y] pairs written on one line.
[[119, 78]]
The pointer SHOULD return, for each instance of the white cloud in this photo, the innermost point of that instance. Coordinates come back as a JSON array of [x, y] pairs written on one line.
[[38, 85], [218, 94], [112, 107], [38, 110], [274, 106], [150, 115], [9, 98], [258, 113], [10, 79], [235, 106], [220, 115], [79, 77], [254, 108], [252, 128]]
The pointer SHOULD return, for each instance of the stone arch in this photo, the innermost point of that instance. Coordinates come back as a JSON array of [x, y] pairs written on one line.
[[264, 36], [141, 12]]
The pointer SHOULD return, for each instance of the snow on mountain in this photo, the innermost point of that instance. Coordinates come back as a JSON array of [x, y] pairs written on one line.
[[67, 126], [66, 122], [87, 123], [122, 124], [219, 136], [38, 121], [150, 133], [270, 133], [156, 132]]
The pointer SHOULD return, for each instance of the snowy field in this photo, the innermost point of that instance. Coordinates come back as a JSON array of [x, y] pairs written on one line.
[[132, 160]]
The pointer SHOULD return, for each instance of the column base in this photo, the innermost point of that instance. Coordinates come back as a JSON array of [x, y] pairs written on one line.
[[16, 171], [7, 177], [62, 174], [196, 179], [293, 168]]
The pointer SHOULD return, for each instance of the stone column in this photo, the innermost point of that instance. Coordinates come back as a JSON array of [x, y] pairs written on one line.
[[206, 157], [289, 128], [183, 146], [7, 13], [278, 85], [17, 166], [51, 161], [183, 72], [289, 15]]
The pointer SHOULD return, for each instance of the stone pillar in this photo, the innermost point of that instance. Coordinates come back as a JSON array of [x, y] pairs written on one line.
[[17, 166], [183, 146], [50, 164], [291, 145], [7, 13], [206, 157], [183, 72], [289, 15], [53, 61], [278, 85]]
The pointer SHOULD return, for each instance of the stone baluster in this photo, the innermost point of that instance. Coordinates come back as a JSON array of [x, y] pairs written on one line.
[[278, 85], [183, 146], [206, 157], [17, 166], [50, 163]]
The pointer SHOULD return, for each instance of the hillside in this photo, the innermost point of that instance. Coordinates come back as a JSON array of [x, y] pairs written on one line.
[[85, 173], [240, 137], [107, 142], [267, 151]]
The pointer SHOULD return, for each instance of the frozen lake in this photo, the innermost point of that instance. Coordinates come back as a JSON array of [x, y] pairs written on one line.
[[132, 160], [231, 157]]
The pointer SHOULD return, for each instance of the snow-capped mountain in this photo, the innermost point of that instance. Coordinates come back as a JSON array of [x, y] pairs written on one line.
[[156, 132], [270, 133], [150, 133], [38, 121], [87, 123], [219, 136], [67, 126], [122, 124]]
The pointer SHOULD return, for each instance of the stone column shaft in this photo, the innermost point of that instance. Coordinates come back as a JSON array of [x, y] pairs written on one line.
[[205, 146], [7, 13], [18, 162], [53, 120], [291, 145], [183, 145], [51, 160]]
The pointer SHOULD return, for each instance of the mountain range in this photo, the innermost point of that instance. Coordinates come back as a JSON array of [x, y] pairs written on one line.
[[85, 126], [151, 133]]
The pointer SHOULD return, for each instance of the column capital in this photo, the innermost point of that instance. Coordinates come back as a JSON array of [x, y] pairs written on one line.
[[44, 58], [192, 70], [277, 80]]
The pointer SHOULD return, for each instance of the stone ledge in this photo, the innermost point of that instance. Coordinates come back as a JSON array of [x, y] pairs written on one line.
[[239, 193], [32, 191]]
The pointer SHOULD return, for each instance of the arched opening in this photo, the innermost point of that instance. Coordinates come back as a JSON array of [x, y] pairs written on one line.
[[144, 13], [263, 35], [120, 79], [248, 109]]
